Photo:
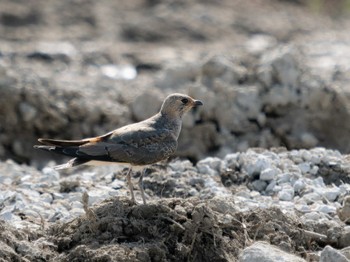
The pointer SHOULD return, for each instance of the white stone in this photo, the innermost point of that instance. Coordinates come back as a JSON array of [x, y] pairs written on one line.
[[181, 166], [209, 165], [271, 186], [193, 192], [268, 174], [330, 254], [74, 196], [50, 174], [315, 216], [302, 208], [57, 195], [318, 182], [299, 185], [77, 212], [312, 197], [331, 194], [327, 209], [304, 167], [9, 217], [314, 170], [47, 198], [264, 252], [230, 160], [286, 194], [77, 204], [284, 178]]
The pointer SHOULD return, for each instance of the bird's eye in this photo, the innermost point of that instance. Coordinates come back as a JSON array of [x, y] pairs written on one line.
[[184, 101]]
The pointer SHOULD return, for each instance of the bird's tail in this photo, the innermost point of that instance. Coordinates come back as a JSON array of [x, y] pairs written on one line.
[[71, 163], [68, 151]]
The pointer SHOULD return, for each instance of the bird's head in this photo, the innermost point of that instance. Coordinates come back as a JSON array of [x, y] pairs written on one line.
[[176, 105]]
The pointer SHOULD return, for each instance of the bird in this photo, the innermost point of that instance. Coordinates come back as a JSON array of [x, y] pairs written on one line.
[[139, 144]]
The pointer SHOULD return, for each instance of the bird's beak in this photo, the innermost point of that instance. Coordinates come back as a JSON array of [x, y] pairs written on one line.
[[197, 103]]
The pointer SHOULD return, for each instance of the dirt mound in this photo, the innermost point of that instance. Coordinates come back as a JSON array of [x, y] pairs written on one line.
[[172, 230]]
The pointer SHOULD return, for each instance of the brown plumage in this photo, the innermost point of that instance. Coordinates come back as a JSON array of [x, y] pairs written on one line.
[[140, 144]]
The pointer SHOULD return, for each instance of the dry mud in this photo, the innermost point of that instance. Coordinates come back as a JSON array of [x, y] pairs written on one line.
[[170, 229]]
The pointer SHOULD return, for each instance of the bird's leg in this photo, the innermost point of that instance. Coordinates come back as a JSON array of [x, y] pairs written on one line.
[[141, 186], [128, 176]]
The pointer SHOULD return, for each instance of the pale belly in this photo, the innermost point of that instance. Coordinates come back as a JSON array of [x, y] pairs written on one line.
[[105, 163]]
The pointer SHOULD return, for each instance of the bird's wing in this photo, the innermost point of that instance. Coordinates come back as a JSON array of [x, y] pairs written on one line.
[[144, 145]]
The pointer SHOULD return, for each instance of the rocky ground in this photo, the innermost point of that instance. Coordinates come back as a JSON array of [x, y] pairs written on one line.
[[272, 204], [272, 74]]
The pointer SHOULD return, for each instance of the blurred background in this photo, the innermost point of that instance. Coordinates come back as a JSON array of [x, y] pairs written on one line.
[[271, 73]]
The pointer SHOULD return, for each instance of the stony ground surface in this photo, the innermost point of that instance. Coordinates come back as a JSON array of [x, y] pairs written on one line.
[[278, 203], [271, 73]]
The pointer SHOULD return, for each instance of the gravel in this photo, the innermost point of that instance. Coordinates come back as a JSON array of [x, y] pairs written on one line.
[[268, 179]]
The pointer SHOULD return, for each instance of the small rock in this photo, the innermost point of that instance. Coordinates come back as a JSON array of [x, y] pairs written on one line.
[[344, 211], [181, 166], [330, 254], [286, 194], [50, 174], [302, 208], [346, 252], [9, 217], [264, 252], [259, 185], [212, 162], [210, 166], [299, 185], [271, 186], [312, 197], [230, 160], [331, 194], [327, 209], [193, 192], [304, 167], [344, 239], [315, 216], [284, 178], [47, 198], [255, 167], [268, 174]]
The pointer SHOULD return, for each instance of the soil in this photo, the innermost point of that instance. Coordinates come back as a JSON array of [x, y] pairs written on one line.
[[166, 230]]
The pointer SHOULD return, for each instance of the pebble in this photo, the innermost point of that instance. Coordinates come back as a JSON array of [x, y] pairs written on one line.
[[326, 209], [299, 185], [209, 165], [304, 167], [331, 194], [255, 167], [259, 185], [312, 216], [262, 251], [268, 174], [330, 254], [271, 186], [344, 239], [286, 194]]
